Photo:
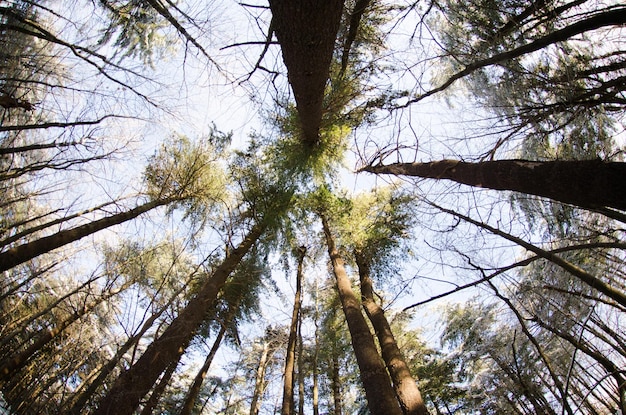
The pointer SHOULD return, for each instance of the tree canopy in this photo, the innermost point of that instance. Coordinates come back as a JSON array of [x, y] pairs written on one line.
[[339, 207]]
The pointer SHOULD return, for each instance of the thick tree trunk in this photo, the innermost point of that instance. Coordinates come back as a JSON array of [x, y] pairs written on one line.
[[194, 391], [288, 405], [125, 394], [306, 31], [30, 250], [586, 183], [380, 395], [406, 389]]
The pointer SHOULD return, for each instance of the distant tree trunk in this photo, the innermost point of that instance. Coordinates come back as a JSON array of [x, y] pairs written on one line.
[[585, 183], [306, 31], [288, 386], [160, 388], [300, 369], [406, 389], [30, 250], [380, 395], [125, 394], [336, 382], [315, 403], [194, 391], [259, 384]]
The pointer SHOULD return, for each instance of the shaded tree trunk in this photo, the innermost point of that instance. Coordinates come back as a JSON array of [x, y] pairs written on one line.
[[380, 395], [160, 388], [288, 404], [30, 250], [586, 183], [306, 31], [406, 389], [194, 391], [125, 394]]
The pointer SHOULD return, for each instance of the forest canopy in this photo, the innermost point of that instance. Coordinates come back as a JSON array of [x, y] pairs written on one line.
[[312, 207]]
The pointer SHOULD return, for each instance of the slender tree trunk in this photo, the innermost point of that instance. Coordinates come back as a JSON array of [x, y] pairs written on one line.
[[300, 369], [259, 384], [194, 391], [288, 386], [315, 403], [380, 395], [336, 381], [160, 388], [125, 394], [406, 389], [22, 253], [587, 183]]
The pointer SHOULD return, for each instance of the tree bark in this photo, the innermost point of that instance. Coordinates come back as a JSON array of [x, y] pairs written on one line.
[[125, 394], [306, 31], [160, 388], [406, 389], [194, 391], [288, 386], [380, 395], [586, 183], [22, 253]]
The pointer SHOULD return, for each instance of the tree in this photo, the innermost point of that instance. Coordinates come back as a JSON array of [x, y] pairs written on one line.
[[590, 184]]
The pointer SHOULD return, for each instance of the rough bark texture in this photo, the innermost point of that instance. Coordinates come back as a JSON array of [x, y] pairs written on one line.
[[585, 183], [30, 250], [381, 398], [290, 359], [406, 389], [132, 385], [159, 389], [306, 31]]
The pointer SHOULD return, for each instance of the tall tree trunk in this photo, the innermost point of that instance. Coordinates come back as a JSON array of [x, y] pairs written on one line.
[[10, 365], [125, 394], [315, 403], [306, 31], [380, 395], [300, 369], [30, 250], [586, 183], [194, 390], [406, 389], [336, 381], [259, 384], [160, 388], [288, 386]]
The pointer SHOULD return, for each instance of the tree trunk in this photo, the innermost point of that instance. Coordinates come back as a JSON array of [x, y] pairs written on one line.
[[300, 369], [406, 389], [306, 31], [30, 250], [380, 395], [160, 388], [336, 382], [194, 391], [587, 183], [288, 405], [125, 394], [259, 384], [78, 402]]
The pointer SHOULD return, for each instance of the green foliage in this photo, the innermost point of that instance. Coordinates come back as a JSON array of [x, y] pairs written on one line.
[[190, 174], [135, 26]]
